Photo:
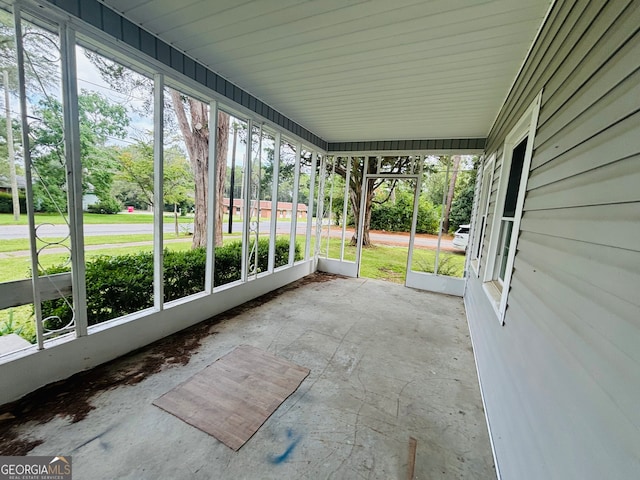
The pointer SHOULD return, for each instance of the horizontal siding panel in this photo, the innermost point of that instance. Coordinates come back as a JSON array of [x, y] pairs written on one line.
[[602, 272], [563, 134], [601, 347], [528, 83], [503, 396], [609, 225], [618, 142], [575, 375], [567, 356], [617, 182], [603, 66]]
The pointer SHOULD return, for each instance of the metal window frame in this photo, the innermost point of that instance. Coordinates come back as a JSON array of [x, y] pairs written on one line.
[[158, 192], [246, 215], [73, 166], [294, 206], [345, 205], [212, 198], [310, 204], [275, 183]]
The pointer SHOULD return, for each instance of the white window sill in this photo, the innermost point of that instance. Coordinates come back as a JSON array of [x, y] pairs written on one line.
[[475, 266], [494, 294]]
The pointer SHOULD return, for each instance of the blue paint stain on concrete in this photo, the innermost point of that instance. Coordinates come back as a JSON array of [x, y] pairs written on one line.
[[278, 459]]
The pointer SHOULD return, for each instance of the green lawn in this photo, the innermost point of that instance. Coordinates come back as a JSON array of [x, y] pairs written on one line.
[[119, 218], [90, 218], [20, 244], [390, 263]]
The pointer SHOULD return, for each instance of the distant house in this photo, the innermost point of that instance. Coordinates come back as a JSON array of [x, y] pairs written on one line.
[[5, 183], [284, 209]]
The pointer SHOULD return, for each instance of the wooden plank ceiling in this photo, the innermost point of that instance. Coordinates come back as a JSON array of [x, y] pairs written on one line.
[[351, 70]]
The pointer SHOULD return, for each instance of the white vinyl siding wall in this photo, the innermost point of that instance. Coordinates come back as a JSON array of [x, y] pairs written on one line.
[[561, 378]]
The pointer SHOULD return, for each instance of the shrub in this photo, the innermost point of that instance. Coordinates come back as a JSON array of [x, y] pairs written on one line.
[[6, 203], [109, 206], [461, 208], [396, 217], [122, 284]]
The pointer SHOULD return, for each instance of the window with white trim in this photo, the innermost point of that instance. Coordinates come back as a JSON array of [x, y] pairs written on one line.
[[507, 218], [482, 213], [518, 149]]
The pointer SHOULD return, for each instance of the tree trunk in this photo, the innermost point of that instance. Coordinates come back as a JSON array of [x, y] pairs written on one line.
[[355, 193], [11, 152], [175, 218], [222, 147], [452, 186], [196, 138]]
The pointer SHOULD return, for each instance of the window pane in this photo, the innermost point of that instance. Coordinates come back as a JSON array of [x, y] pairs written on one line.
[[186, 159], [505, 235], [304, 185], [228, 258], [42, 72], [116, 129], [286, 179], [515, 174], [42, 57]]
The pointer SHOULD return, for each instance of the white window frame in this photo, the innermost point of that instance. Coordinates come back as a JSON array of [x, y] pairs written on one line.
[[482, 212], [498, 289]]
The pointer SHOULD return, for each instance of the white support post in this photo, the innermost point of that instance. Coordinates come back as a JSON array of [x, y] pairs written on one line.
[[444, 202], [246, 186], [294, 207], [320, 209], [158, 192], [360, 226], [74, 176], [310, 212], [212, 198], [333, 177], [257, 172], [29, 180], [345, 206], [274, 201], [414, 219]]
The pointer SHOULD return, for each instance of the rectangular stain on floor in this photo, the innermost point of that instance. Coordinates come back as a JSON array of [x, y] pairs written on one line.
[[231, 398]]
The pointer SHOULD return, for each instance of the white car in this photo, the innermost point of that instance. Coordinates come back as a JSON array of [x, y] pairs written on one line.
[[461, 238]]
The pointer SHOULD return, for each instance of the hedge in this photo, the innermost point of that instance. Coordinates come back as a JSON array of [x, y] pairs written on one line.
[[121, 284], [6, 203], [397, 217]]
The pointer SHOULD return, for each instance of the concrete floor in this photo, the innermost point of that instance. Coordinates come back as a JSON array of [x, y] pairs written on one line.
[[387, 363]]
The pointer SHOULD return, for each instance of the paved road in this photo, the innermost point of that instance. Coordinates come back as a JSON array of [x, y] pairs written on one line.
[[21, 231], [8, 232]]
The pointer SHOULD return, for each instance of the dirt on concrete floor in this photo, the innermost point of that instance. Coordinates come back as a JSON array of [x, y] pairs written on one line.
[[72, 397]]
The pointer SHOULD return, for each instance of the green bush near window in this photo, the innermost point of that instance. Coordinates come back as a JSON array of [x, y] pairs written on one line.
[[108, 206], [121, 284], [397, 217]]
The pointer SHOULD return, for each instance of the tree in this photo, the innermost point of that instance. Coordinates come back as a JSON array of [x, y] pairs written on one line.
[[195, 131], [135, 173], [393, 165], [455, 159], [462, 205], [136, 169], [99, 120], [193, 122], [40, 71]]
